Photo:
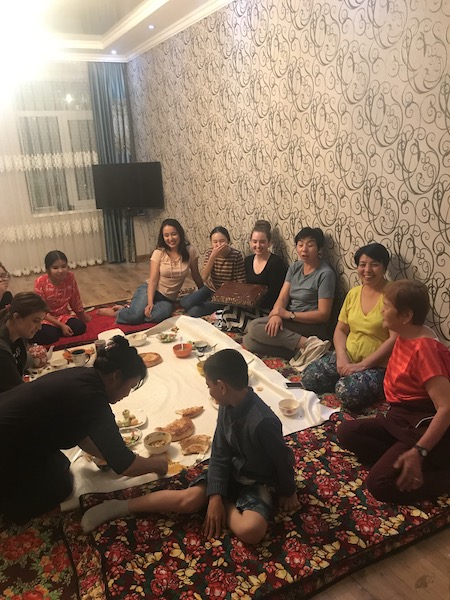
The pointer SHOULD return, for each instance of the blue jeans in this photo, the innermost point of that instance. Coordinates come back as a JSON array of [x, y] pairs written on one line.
[[197, 304], [134, 314]]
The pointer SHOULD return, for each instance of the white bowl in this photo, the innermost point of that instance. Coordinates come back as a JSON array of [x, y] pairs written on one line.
[[200, 345], [137, 339], [289, 407], [157, 442], [58, 363]]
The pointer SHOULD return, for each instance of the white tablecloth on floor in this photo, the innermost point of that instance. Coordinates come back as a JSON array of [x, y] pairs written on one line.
[[175, 384]]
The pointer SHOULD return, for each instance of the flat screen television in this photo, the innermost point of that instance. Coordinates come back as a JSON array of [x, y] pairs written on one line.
[[128, 185]]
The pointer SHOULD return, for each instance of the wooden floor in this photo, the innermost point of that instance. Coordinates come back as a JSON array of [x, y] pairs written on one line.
[[99, 284], [421, 572]]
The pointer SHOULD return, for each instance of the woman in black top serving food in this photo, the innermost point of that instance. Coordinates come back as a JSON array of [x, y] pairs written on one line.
[[61, 410]]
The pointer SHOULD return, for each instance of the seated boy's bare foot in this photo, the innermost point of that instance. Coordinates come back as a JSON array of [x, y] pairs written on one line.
[[159, 464], [110, 311]]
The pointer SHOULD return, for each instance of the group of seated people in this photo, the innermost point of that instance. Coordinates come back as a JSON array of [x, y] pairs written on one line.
[[382, 349]]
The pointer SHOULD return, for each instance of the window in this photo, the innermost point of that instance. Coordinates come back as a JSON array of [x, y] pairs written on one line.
[[58, 144]]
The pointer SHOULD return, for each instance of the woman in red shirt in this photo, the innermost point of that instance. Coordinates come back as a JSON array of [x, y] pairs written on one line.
[[408, 448]]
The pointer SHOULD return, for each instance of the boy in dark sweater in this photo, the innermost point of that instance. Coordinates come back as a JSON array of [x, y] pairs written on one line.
[[249, 464]]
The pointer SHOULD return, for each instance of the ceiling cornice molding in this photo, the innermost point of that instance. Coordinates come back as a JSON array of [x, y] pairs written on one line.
[[204, 11], [93, 45], [81, 43], [134, 18], [91, 57]]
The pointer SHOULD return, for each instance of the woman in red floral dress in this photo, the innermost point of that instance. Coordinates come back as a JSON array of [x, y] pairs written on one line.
[[59, 289]]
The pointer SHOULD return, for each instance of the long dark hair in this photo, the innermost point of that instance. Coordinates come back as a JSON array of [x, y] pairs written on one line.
[[118, 355], [182, 249], [52, 256], [24, 304]]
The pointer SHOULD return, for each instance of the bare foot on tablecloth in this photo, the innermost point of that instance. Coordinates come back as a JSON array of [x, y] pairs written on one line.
[[109, 312]]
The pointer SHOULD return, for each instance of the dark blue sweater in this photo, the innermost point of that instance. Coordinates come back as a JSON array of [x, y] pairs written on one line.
[[248, 442]]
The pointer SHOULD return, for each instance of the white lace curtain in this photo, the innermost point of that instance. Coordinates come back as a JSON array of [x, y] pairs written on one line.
[[45, 188]]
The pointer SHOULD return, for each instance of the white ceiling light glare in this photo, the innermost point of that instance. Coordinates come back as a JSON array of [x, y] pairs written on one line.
[[151, 27], [23, 36], [113, 51]]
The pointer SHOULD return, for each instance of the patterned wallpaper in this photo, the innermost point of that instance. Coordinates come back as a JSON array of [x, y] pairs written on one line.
[[308, 112]]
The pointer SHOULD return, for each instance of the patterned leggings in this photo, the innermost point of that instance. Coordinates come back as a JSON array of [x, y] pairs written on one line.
[[355, 392]]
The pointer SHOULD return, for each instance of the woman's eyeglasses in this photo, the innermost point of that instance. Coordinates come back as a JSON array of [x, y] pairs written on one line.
[[5, 276]]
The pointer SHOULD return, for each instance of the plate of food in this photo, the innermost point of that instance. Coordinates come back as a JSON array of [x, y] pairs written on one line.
[[131, 437], [167, 337], [131, 418], [68, 353]]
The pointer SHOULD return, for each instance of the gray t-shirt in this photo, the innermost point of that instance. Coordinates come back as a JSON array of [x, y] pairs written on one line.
[[307, 289]]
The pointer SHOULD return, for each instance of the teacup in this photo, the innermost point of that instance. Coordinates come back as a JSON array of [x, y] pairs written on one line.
[[58, 363], [79, 357]]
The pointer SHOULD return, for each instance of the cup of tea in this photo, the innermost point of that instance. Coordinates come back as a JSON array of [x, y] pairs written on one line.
[[79, 357]]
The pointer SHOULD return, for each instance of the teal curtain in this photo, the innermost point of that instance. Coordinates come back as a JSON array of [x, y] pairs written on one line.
[[115, 144]]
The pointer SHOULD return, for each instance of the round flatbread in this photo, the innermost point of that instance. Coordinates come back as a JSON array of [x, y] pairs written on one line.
[[196, 444], [190, 412], [151, 358], [179, 429]]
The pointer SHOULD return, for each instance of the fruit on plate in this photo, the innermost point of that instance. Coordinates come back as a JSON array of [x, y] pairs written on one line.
[[129, 420]]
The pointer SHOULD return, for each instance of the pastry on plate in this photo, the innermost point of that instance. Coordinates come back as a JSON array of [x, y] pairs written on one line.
[[151, 358], [196, 444], [179, 429], [191, 412]]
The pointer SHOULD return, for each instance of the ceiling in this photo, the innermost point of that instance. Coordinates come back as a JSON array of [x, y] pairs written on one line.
[[91, 30]]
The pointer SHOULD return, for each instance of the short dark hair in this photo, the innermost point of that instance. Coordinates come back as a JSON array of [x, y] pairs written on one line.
[[407, 294], [311, 232], [183, 241], [52, 256], [228, 366], [118, 355], [375, 251], [24, 304], [222, 230]]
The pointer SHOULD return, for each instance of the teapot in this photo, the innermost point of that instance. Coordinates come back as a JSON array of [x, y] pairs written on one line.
[[39, 355]]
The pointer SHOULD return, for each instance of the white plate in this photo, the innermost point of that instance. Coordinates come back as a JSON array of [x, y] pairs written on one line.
[[214, 403], [131, 437], [138, 413], [167, 337]]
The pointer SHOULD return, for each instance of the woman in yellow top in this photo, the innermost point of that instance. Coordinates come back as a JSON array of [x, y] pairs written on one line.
[[355, 370]]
